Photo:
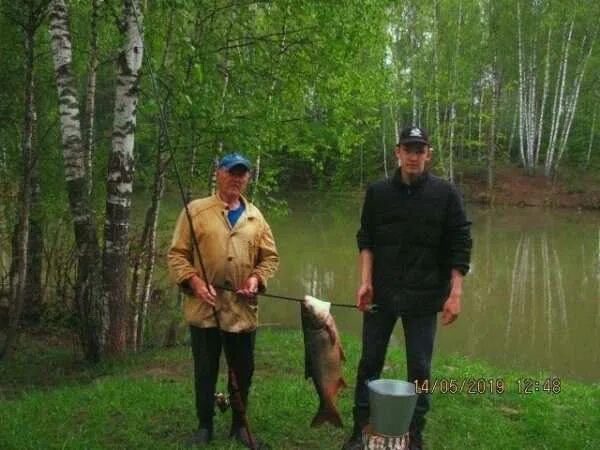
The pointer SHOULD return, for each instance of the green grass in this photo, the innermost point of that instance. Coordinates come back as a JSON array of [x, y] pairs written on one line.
[[146, 402]]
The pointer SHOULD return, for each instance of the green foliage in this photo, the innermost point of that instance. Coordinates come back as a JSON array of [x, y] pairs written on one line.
[[317, 90]]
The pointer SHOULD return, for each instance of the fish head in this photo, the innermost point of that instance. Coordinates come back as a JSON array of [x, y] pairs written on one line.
[[315, 312]]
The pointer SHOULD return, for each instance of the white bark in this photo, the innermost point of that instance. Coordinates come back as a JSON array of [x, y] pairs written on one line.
[[453, 106], [22, 233], [451, 143], [492, 139], [480, 118], [150, 254], [572, 107], [590, 145], [415, 117], [521, 93], [90, 101], [513, 129], [531, 107], [256, 177], [88, 280], [546, 82], [120, 177], [396, 124], [550, 155], [67, 93], [438, 138]]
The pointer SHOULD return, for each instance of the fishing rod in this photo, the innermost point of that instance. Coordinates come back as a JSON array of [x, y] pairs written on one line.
[[369, 308], [238, 401]]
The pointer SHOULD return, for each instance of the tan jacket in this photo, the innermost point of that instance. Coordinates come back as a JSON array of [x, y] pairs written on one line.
[[230, 256]]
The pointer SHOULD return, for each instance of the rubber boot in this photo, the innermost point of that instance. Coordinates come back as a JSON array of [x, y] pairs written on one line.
[[361, 420], [202, 437], [416, 434]]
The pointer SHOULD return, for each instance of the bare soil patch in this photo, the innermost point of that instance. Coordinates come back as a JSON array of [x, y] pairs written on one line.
[[514, 188]]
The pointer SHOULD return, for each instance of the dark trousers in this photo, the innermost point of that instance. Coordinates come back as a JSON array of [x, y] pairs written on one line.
[[419, 334], [206, 349]]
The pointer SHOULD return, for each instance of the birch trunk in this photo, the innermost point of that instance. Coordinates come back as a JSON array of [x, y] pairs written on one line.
[[511, 138], [550, 155], [453, 107], [120, 179], [33, 286], [438, 139], [521, 93], [87, 285], [544, 97], [384, 144], [554, 121], [531, 106], [589, 152], [396, 125], [256, 178], [90, 100], [226, 70], [492, 140], [480, 120], [494, 21], [415, 117], [572, 107], [532, 109], [451, 143], [20, 255], [150, 242]]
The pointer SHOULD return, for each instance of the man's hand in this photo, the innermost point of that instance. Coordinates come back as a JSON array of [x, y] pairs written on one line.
[[250, 287], [364, 297], [203, 290], [451, 309]]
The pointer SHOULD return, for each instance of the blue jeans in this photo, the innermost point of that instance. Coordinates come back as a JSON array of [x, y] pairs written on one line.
[[419, 334]]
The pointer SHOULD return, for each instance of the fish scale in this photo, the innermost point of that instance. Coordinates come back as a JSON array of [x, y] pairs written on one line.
[[323, 358]]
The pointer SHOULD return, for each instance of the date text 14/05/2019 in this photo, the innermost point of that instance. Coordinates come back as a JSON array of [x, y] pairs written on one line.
[[471, 385]]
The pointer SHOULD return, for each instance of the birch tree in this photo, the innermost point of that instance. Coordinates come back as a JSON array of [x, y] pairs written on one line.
[[558, 108], [34, 14], [591, 140], [120, 178], [571, 106], [88, 278], [90, 99]]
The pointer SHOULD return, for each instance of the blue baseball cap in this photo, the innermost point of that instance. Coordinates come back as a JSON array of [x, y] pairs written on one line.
[[234, 159]]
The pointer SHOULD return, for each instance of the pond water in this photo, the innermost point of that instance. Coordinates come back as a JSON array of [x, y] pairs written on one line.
[[531, 301]]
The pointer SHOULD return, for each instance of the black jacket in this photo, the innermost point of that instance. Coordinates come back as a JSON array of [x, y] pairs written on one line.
[[418, 233]]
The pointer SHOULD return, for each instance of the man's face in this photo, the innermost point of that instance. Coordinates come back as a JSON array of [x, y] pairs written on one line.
[[233, 182], [412, 158]]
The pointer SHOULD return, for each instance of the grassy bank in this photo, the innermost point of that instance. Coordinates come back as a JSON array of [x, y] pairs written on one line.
[[146, 402]]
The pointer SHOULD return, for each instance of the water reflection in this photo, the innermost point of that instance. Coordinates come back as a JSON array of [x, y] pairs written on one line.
[[536, 288], [532, 300]]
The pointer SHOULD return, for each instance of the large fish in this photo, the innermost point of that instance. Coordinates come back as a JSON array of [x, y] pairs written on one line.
[[323, 358]]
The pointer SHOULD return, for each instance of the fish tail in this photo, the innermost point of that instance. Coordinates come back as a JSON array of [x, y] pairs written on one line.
[[327, 413]]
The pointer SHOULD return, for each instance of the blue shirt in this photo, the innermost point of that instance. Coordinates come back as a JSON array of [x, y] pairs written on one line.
[[234, 214]]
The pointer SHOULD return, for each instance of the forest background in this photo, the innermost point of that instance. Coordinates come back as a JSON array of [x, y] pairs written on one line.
[[98, 99]]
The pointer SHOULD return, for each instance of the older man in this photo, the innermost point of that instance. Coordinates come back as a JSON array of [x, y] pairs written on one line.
[[415, 244], [238, 253]]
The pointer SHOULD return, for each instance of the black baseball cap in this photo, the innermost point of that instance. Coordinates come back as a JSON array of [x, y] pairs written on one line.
[[413, 135]]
